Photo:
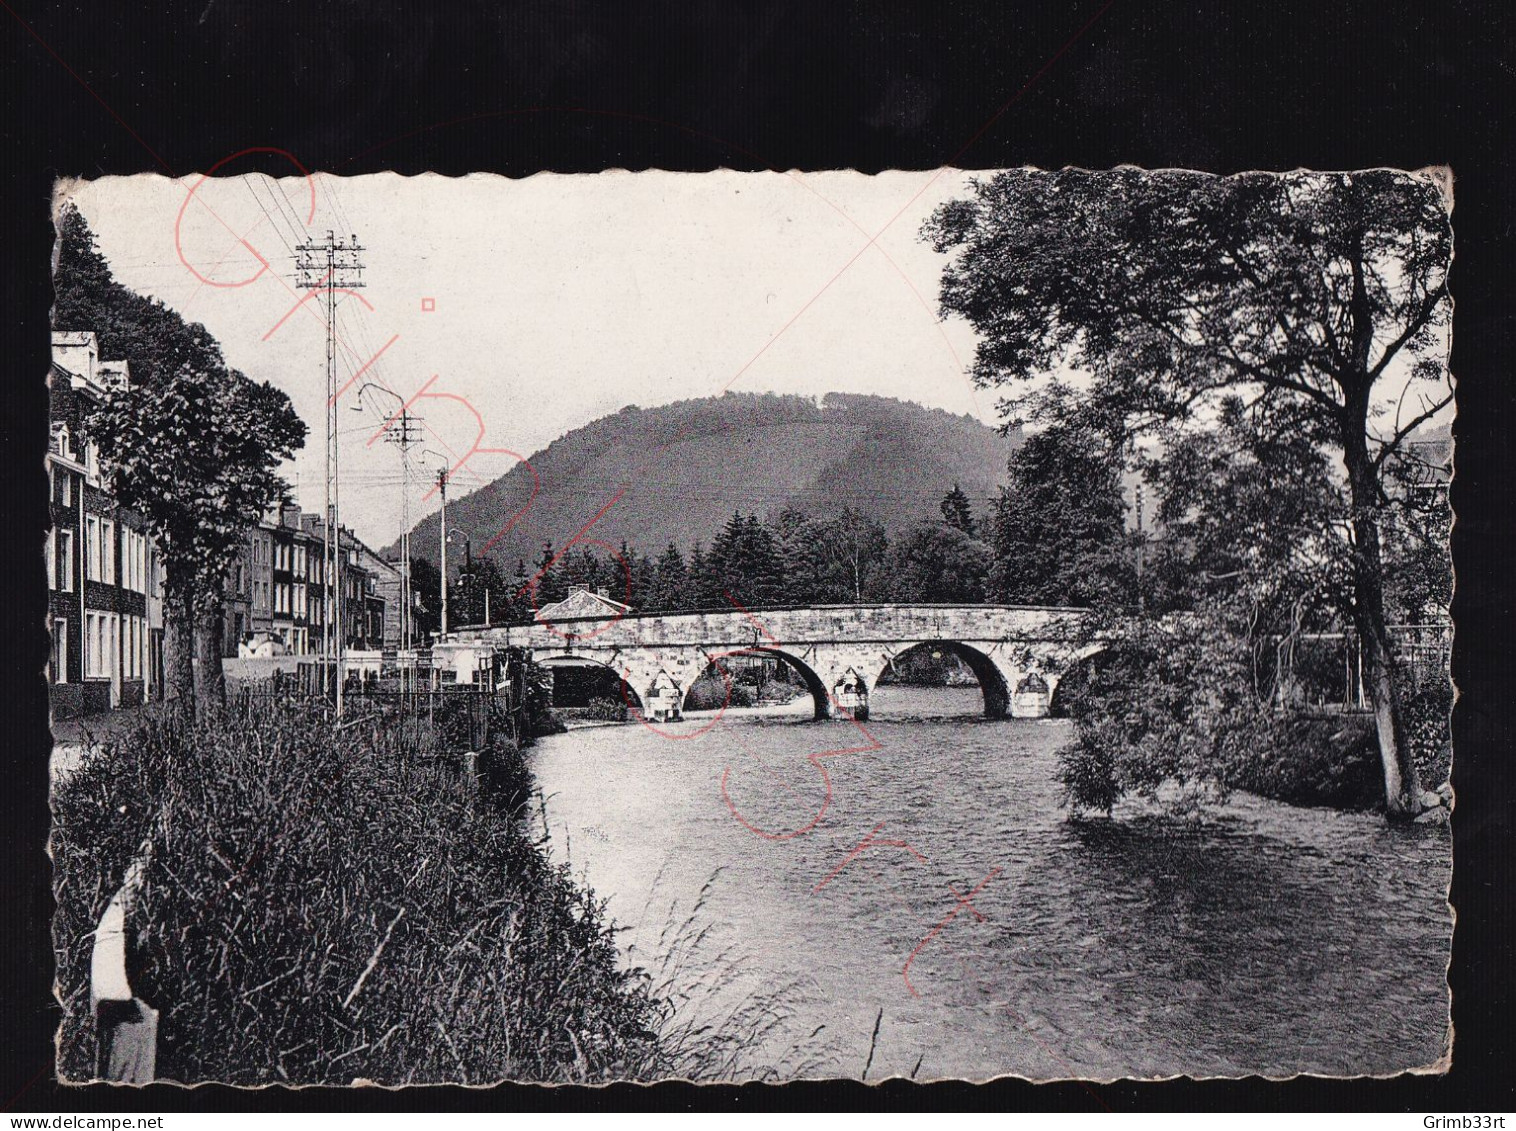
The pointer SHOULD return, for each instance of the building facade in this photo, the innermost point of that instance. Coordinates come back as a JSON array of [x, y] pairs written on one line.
[[278, 599], [384, 592], [105, 607]]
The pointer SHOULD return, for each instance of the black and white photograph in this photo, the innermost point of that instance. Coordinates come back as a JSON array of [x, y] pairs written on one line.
[[750, 626]]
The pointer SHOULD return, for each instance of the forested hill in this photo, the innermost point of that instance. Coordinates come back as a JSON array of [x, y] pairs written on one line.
[[684, 468]]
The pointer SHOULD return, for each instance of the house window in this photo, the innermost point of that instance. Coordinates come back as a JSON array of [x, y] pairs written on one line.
[[60, 651], [98, 645], [63, 562], [107, 551], [91, 548]]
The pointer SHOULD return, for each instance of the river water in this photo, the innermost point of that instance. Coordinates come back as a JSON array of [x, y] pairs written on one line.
[[983, 931]]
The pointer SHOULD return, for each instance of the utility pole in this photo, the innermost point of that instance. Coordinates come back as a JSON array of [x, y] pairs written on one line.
[[331, 266], [404, 431], [442, 487], [408, 434]]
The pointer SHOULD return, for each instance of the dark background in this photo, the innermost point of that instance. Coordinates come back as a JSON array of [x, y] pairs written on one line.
[[575, 85]]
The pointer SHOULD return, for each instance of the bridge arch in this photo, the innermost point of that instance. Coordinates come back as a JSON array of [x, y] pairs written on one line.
[[1075, 679], [616, 679], [992, 680], [821, 699]]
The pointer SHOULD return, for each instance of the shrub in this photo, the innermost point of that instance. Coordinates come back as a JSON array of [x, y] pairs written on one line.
[[1169, 706], [540, 720], [1175, 707], [1426, 720], [1302, 760], [605, 708], [709, 693]]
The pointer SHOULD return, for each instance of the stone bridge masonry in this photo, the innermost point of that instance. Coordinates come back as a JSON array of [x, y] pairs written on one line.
[[1018, 653]]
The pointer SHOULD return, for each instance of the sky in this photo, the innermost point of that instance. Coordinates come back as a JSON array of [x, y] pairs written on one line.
[[543, 303], [508, 312]]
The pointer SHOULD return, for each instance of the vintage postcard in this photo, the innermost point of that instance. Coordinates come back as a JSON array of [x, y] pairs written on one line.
[[750, 626]]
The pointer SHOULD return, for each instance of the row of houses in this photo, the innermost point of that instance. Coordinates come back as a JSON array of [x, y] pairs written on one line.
[[105, 578], [278, 600]]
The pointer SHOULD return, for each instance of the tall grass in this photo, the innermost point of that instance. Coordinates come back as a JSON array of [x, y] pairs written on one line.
[[714, 1024], [327, 904]]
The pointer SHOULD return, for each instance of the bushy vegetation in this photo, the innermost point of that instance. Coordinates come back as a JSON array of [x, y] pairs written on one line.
[[326, 904], [1303, 760], [1180, 713], [928, 667], [1167, 707], [1427, 709], [607, 708], [710, 693]]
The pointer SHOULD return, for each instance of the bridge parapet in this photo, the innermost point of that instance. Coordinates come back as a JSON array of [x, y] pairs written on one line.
[[795, 627]]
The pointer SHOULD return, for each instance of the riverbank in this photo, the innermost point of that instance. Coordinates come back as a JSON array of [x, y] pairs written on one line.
[[326, 904]]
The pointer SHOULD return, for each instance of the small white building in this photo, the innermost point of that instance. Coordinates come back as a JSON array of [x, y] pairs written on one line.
[[581, 603]]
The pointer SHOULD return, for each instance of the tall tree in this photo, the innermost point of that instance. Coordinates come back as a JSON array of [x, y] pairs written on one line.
[[547, 582], [703, 593], [518, 608], [644, 573], [1059, 533], [937, 563], [480, 576], [670, 584], [192, 444], [745, 565], [832, 561], [1172, 289], [957, 511]]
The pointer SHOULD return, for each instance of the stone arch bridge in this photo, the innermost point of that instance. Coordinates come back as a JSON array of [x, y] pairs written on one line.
[[1018, 653]]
